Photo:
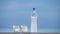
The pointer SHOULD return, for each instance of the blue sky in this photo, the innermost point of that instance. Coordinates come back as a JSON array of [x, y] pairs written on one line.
[[19, 12]]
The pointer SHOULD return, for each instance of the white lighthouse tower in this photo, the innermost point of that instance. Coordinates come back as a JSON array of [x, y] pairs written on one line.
[[34, 21]]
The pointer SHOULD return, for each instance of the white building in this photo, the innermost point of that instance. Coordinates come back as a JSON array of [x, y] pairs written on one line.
[[34, 21], [16, 28]]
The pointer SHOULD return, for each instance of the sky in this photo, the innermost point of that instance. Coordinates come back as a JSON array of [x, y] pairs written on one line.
[[19, 12]]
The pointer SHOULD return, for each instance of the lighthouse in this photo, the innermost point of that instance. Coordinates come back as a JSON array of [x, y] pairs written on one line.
[[34, 21]]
